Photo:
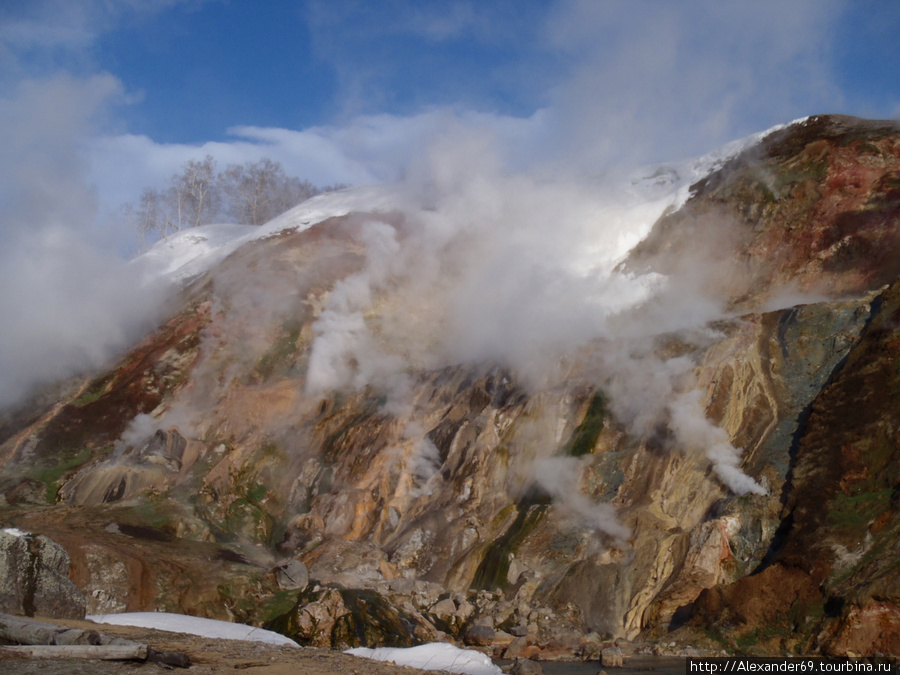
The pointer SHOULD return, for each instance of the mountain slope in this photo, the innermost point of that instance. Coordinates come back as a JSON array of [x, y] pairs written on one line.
[[478, 402]]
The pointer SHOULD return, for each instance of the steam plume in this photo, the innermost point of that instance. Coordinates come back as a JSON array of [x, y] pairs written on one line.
[[523, 271], [69, 303]]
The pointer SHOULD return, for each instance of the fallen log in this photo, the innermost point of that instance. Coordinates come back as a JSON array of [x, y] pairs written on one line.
[[49, 641], [28, 631], [22, 631], [75, 636], [135, 652]]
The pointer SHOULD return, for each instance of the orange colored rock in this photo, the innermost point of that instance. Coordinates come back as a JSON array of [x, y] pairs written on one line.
[[866, 630]]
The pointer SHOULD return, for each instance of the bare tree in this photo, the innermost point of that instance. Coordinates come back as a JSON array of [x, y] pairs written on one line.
[[259, 191], [252, 194], [149, 217], [196, 193], [292, 192], [249, 189]]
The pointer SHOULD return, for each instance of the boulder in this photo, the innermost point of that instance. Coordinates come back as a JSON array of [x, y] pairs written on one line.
[[479, 636], [108, 577], [515, 648], [34, 577], [526, 667], [561, 644], [531, 652], [340, 618], [444, 608], [292, 576], [591, 648], [502, 639], [445, 616], [612, 657]]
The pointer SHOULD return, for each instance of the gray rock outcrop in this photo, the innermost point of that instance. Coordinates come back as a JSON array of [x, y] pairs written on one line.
[[34, 578]]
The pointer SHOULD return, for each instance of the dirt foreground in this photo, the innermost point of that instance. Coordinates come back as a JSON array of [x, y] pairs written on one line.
[[208, 655]]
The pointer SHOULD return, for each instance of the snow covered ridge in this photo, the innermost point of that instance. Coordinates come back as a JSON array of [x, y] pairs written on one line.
[[189, 253], [679, 176], [192, 625]]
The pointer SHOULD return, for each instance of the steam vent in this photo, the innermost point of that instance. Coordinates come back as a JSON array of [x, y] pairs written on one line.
[[392, 416]]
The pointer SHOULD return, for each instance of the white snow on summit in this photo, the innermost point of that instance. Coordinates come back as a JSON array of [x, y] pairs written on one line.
[[681, 175], [653, 190], [189, 253]]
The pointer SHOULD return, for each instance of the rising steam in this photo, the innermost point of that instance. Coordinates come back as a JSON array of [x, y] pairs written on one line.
[[511, 268], [68, 306]]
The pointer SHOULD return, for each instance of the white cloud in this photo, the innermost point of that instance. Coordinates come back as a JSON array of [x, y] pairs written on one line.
[[61, 23], [645, 81], [369, 149], [41, 37], [451, 20], [657, 81], [642, 81], [335, 24]]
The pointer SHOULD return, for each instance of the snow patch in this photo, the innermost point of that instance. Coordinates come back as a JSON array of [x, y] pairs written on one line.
[[681, 176], [432, 656], [192, 625], [190, 253], [16, 532]]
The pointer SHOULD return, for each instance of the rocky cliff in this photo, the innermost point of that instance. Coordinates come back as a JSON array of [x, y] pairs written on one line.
[[717, 465]]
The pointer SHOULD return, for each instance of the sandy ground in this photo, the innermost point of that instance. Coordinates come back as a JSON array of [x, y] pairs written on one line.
[[207, 656]]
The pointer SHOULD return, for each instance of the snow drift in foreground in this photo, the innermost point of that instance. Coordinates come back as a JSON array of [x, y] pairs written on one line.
[[192, 625], [433, 656]]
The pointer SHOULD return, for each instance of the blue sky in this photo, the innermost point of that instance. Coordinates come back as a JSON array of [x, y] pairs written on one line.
[[295, 65], [200, 68], [116, 94]]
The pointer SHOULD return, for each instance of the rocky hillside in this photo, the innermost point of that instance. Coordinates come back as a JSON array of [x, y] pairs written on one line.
[[716, 462]]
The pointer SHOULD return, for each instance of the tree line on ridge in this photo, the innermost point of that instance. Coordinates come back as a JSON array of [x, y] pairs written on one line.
[[250, 194]]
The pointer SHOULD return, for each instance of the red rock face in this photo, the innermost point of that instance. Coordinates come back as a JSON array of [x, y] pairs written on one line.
[[814, 209], [835, 551], [832, 580]]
